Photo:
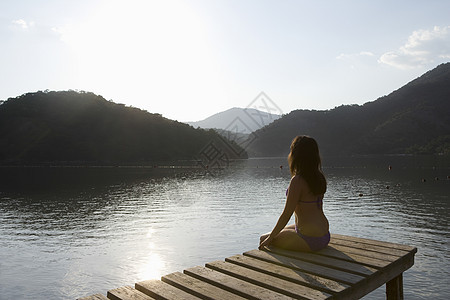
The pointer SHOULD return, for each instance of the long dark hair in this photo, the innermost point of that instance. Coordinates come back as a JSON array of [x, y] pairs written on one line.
[[304, 160]]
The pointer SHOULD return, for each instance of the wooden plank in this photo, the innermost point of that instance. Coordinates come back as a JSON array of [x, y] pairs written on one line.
[[127, 293], [394, 288], [322, 271], [198, 288], [369, 247], [373, 242], [269, 282], [348, 268], [383, 276], [339, 264], [162, 291], [299, 277], [365, 257], [94, 297], [232, 284]]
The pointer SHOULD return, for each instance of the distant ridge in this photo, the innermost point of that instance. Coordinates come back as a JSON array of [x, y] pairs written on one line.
[[250, 118], [415, 119], [81, 128]]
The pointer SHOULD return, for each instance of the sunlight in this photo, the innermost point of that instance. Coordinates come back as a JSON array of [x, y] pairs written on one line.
[[149, 50], [153, 269], [154, 264]]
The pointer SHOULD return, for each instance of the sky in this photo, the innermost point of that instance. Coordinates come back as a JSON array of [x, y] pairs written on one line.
[[190, 59]]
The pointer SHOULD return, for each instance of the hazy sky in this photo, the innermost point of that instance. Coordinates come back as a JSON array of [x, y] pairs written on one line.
[[190, 59]]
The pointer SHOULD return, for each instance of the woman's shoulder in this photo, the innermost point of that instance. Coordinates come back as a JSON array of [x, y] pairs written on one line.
[[299, 180]]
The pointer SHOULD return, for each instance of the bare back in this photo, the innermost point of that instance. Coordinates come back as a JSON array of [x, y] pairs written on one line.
[[309, 216]]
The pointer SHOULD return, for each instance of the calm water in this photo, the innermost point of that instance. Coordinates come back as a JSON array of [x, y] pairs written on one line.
[[71, 232]]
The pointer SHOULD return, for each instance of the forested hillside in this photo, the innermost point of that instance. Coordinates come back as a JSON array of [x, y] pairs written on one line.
[[83, 128], [413, 119]]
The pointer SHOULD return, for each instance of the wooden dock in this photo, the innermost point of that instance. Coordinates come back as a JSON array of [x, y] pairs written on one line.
[[348, 268]]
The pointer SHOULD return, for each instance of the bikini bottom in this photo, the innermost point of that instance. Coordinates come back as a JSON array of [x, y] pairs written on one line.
[[315, 243]]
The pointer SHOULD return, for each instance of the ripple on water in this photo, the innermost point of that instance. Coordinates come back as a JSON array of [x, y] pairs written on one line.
[[87, 240]]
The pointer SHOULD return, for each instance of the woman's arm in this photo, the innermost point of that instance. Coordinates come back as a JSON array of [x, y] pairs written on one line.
[[291, 202]]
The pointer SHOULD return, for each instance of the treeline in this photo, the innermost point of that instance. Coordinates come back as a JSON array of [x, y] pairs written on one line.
[[79, 128], [70, 127], [414, 119]]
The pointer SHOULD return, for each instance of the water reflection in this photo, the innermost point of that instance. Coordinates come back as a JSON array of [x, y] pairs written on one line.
[[73, 232], [398, 206]]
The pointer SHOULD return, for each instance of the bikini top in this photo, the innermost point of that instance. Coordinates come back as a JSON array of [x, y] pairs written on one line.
[[319, 200]]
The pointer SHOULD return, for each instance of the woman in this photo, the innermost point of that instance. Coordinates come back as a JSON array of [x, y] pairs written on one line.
[[304, 198]]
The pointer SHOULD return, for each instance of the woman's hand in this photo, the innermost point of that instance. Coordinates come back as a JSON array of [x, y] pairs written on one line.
[[264, 243]]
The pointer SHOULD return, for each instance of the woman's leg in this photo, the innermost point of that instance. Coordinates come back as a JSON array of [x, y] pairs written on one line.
[[288, 239], [265, 235]]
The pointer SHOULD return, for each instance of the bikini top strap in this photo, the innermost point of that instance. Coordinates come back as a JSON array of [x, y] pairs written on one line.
[[318, 201]]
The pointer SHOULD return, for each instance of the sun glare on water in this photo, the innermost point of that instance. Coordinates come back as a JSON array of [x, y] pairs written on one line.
[[154, 263], [153, 269]]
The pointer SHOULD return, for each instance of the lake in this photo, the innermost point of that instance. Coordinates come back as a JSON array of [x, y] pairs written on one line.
[[71, 232]]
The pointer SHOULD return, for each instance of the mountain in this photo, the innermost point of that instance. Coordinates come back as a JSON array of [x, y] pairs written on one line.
[[413, 119], [71, 127], [250, 119], [80, 128]]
